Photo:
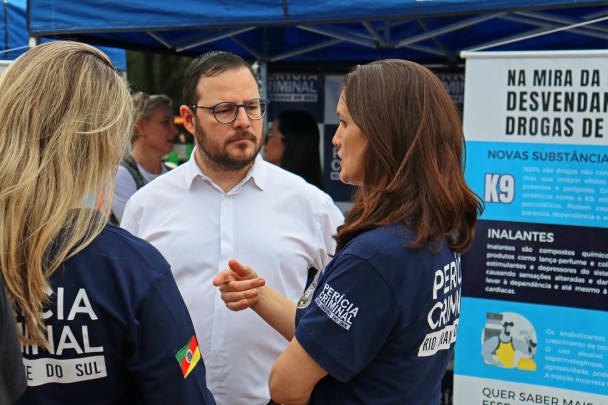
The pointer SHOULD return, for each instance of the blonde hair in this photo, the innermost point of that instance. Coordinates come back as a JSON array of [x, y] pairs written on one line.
[[65, 118]]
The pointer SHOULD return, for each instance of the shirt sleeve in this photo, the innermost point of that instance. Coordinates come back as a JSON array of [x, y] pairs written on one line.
[[165, 361], [130, 219], [125, 187], [330, 218], [350, 317]]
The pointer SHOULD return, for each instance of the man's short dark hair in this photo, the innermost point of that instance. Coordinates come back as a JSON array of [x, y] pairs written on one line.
[[210, 64]]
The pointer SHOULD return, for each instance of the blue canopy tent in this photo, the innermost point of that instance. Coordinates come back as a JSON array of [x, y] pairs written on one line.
[[327, 36], [15, 36], [428, 31], [14, 33]]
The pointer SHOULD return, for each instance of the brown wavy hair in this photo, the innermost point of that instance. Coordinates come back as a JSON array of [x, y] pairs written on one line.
[[413, 165]]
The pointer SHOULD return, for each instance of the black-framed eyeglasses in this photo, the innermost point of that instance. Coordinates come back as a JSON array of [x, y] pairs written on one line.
[[226, 111]]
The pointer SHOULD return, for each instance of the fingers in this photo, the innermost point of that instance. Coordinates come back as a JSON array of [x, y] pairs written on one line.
[[242, 270], [243, 285], [239, 286], [237, 301], [239, 295], [241, 305], [222, 277], [237, 271]]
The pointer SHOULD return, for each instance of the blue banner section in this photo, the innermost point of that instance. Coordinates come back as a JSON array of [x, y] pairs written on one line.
[[540, 183], [544, 264], [296, 92], [527, 343], [534, 304]]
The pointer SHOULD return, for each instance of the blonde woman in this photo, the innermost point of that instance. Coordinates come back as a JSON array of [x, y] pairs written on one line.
[[99, 316]]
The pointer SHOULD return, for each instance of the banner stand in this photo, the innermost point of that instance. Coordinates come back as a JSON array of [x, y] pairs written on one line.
[[534, 310]]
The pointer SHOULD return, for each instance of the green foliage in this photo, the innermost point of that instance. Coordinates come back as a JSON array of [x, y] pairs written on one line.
[[155, 73]]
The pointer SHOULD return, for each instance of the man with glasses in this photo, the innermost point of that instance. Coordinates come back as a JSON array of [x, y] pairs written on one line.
[[227, 202]]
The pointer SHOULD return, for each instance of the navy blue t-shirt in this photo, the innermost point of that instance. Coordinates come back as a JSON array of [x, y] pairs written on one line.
[[12, 378], [382, 319], [119, 331]]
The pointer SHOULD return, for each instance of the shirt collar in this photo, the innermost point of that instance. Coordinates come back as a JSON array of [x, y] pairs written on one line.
[[258, 172]]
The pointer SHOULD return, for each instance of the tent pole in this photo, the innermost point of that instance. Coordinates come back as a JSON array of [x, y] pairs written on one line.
[[6, 30], [263, 88]]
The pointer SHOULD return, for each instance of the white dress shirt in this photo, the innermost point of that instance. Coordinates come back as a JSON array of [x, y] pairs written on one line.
[[272, 220]]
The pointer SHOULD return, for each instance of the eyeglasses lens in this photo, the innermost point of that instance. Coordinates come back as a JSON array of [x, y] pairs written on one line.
[[227, 112], [255, 109]]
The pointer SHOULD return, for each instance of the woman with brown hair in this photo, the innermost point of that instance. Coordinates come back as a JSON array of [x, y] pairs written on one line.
[[379, 323]]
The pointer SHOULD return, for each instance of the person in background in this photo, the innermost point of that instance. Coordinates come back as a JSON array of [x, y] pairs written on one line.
[[293, 143], [227, 201], [12, 373], [379, 323], [153, 136], [99, 314]]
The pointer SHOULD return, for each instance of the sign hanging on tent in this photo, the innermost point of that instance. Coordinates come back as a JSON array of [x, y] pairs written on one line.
[[535, 291]]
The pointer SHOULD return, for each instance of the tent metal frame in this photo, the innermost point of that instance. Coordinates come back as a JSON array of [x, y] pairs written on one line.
[[380, 34]]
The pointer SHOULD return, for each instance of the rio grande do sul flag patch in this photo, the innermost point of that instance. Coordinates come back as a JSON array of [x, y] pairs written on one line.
[[188, 356]]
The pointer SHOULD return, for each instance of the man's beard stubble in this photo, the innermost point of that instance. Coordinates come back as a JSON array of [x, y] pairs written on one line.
[[221, 159]]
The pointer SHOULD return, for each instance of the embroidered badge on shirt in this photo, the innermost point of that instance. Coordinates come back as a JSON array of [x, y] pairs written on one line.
[[188, 356], [337, 307], [307, 296]]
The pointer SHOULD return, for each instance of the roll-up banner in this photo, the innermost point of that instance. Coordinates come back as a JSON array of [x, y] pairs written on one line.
[[534, 308]]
